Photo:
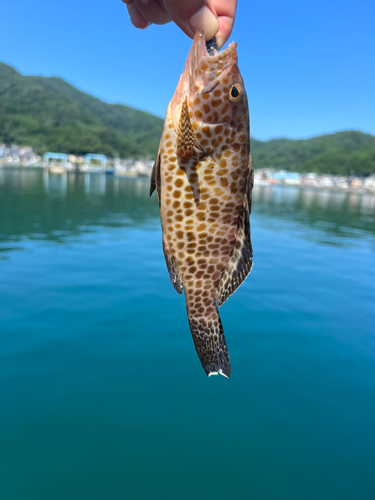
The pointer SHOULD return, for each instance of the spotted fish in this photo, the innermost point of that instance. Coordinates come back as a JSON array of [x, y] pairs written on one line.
[[203, 177]]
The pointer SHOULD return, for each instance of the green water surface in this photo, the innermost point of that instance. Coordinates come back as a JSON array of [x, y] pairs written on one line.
[[102, 396]]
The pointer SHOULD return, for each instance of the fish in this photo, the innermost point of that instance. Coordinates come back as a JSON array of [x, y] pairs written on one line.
[[203, 177]]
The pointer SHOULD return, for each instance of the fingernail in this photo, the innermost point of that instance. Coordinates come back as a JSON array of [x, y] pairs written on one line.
[[205, 20], [219, 41]]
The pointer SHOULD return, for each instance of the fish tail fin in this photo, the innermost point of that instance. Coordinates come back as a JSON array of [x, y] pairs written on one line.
[[209, 341]]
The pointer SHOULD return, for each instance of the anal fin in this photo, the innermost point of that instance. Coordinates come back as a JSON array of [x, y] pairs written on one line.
[[174, 275]]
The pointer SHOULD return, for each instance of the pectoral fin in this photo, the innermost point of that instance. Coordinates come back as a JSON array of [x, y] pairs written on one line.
[[186, 143]]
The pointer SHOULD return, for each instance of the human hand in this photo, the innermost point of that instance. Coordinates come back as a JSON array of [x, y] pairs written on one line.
[[215, 17]]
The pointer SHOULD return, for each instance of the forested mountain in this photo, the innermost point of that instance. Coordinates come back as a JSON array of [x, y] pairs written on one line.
[[49, 114], [345, 153]]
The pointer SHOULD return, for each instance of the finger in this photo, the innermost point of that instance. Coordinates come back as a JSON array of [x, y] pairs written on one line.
[[136, 17], [152, 11], [226, 13], [215, 17]]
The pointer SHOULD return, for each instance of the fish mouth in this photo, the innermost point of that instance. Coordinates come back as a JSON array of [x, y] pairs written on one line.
[[211, 46], [207, 65], [204, 49], [202, 73]]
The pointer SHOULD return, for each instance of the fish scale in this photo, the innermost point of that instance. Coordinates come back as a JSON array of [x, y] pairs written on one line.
[[203, 176]]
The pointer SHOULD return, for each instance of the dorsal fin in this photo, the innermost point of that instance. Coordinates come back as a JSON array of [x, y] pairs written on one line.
[[241, 261], [185, 134]]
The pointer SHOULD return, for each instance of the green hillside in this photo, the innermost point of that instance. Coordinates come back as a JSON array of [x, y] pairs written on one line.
[[51, 115], [344, 153]]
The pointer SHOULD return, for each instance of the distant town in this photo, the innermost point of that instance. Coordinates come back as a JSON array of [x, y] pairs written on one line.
[[60, 163]]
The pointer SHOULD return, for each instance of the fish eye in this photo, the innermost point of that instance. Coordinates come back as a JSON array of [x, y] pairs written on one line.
[[235, 92]]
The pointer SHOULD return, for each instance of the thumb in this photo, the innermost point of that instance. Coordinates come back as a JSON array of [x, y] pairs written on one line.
[[193, 15]]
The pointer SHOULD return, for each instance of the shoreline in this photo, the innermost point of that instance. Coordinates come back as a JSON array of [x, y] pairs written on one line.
[[332, 189], [262, 178]]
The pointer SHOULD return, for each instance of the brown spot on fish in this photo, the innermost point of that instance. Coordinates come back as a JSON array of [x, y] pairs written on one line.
[[207, 131]]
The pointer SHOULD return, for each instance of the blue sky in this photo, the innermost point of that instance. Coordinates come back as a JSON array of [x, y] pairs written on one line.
[[309, 67]]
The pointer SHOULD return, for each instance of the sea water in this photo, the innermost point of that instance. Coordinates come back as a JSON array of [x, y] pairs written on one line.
[[102, 396]]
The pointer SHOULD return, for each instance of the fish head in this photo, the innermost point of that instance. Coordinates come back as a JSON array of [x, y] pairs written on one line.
[[213, 90]]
